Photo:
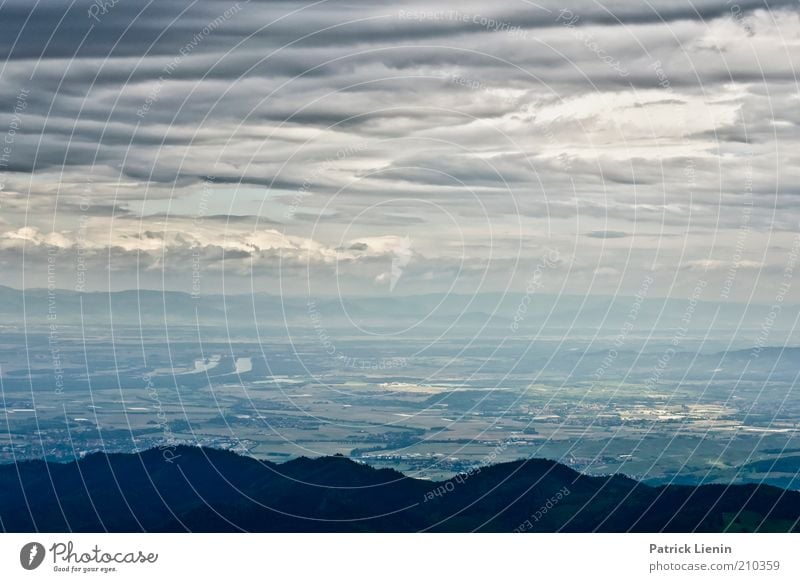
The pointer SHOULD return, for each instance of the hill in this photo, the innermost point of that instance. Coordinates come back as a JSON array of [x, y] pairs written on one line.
[[208, 490]]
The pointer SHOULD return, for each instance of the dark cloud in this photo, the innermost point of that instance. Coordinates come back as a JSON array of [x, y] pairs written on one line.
[[313, 134], [607, 234]]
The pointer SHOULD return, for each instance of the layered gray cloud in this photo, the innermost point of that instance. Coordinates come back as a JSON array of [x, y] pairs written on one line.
[[282, 144]]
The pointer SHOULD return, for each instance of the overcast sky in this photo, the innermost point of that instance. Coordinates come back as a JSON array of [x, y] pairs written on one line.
[[406, 148]]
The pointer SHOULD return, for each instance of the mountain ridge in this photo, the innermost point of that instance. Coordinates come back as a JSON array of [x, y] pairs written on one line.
[[211, 490]]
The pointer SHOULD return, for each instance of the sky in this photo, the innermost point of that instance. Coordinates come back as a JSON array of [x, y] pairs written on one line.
[[417, 147]]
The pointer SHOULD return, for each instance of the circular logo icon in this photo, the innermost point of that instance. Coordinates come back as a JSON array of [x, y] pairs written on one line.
[[31, 555]]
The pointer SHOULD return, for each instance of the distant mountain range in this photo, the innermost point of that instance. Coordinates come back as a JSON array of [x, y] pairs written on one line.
[[208, 490], [434, 313]]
